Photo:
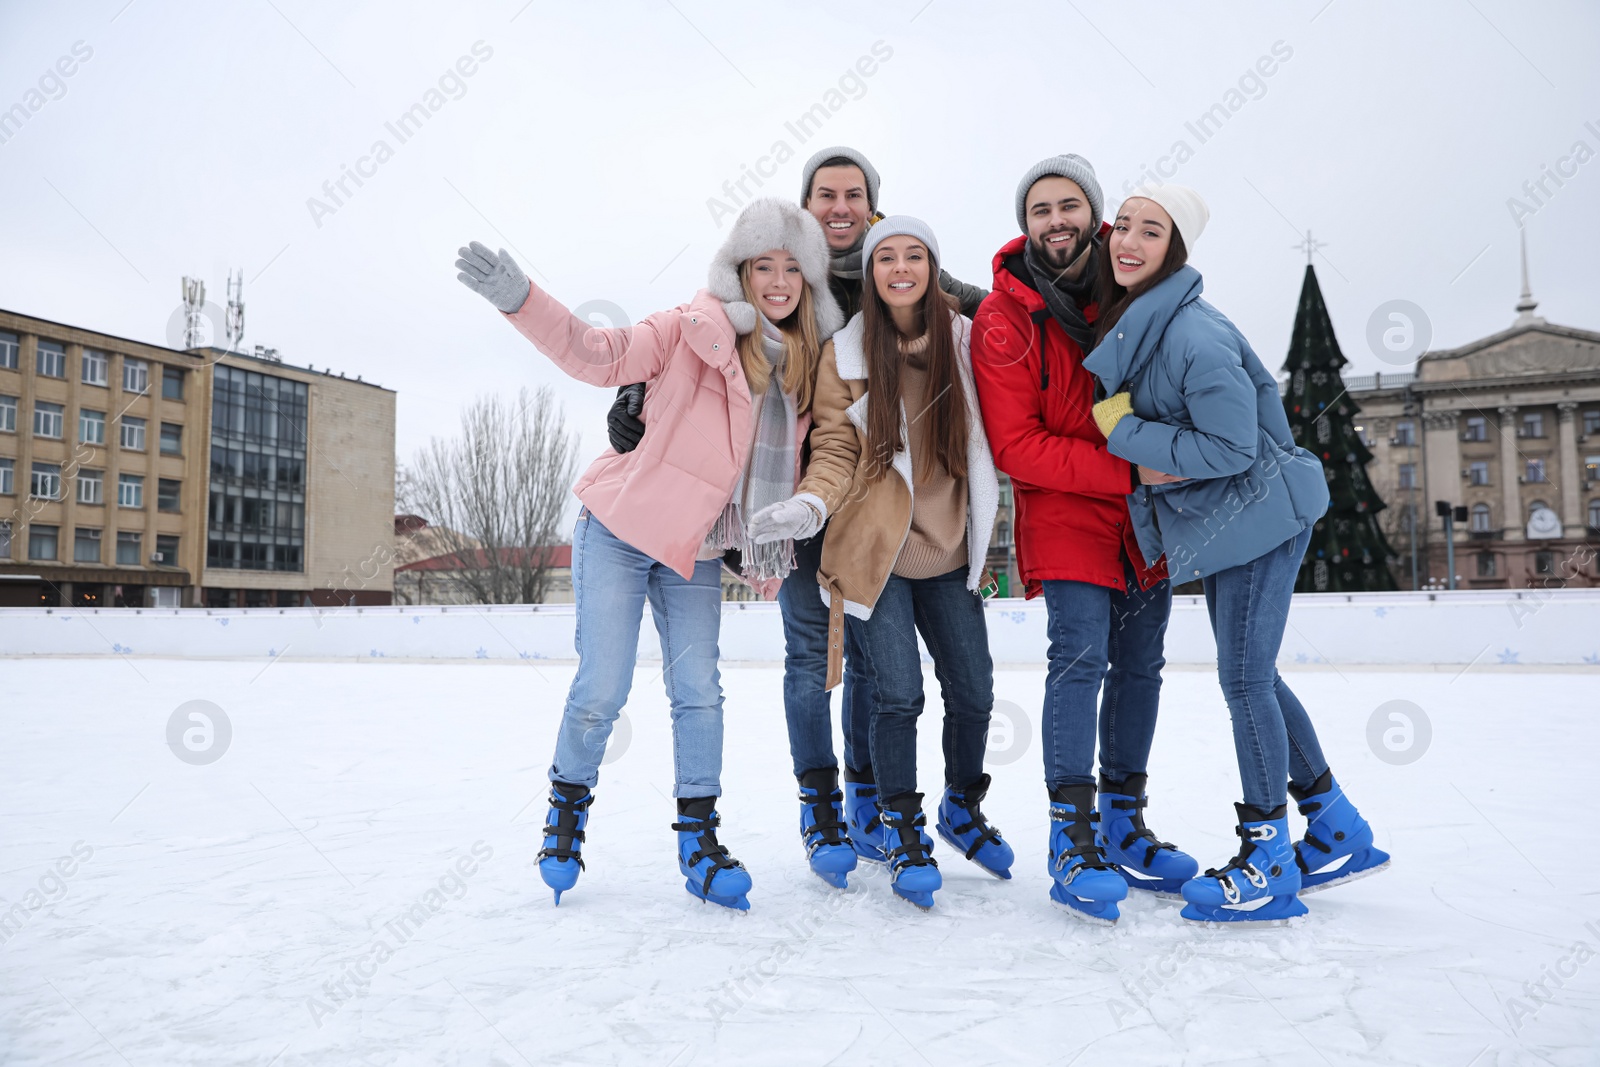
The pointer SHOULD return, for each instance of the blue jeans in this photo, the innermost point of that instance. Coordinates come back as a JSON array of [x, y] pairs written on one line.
[[1272, 734], [611, 580], [950, 619], [1098, 634], [806, 704]]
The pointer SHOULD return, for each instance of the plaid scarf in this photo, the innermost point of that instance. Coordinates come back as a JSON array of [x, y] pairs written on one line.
[[768, 475]]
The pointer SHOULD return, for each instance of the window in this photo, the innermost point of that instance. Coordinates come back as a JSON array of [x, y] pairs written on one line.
[[1478, 474], [5, 540], [1594, 514], [171, 439], [1591, 419], [85, 545], [1591, 468], [10, 346], [1485, 564], [51, 360], [91, 426], [1544, 562], [132, 433], [135, 375], [1408, 475], [47, 419], [128, 548], [130, 490], [91, 487], [256, 516], [167, 549], [7, 473], [8, 414], [1532, 425], [1405, 433], [1480, 518], [94, 367], [42, 541], [168, 493], [1477, 429], [46, 482], [1534, 472], [172, 382]]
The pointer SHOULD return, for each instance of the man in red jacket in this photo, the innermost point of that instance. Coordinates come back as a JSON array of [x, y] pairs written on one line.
[[1075, 544]]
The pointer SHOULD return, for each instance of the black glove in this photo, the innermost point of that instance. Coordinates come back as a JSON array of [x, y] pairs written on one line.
[[623, 424]]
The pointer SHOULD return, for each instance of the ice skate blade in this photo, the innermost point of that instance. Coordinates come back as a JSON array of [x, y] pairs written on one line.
[[917, 899], [557, 892], [739, 904], [1276, 911], [1004, 876], [1099, 912], [1083, 916], [836, 879], [1341, 879]]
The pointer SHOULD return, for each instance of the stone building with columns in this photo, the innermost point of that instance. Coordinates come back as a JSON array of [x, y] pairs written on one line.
[[1508, 427]]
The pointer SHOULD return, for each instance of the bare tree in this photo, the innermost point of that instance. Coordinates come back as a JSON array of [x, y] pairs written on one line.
[[496, 494]]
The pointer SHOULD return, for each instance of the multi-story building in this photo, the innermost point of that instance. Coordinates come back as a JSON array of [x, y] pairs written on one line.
[[136, 475], [1507, 427]]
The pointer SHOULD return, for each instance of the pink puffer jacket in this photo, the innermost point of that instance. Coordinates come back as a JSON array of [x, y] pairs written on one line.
[[662, 497]]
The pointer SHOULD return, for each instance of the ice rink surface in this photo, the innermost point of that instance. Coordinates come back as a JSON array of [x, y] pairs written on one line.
[[353, 882]]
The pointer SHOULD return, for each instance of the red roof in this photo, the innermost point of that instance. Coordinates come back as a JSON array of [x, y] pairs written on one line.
[[478, 559]]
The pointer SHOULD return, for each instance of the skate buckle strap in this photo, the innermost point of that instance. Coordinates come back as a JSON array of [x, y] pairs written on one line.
[[1089, 853], [566, 828], [975, 821], [1311, 839], [1249, 835], [824, 829], [1140, 830], [914, 848]]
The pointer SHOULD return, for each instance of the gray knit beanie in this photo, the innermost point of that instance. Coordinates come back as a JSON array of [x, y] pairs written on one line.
[[840, 152], [1072, 167], [897, 226]]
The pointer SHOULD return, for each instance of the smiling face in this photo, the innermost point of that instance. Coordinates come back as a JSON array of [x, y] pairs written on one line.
[[777, 283], [1059, 220], [838, 199], [1139, 240], [900, 271]]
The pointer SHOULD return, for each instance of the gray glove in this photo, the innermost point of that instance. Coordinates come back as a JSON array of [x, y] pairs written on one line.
[[794, 519], [497, 279]]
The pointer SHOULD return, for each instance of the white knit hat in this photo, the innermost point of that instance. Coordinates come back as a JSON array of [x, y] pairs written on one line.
[[898, 226], [763, 225], [1187, 208]]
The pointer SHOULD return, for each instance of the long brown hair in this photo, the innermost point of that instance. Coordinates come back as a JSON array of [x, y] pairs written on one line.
[[802, 349], [946, 413], [1114, 299]]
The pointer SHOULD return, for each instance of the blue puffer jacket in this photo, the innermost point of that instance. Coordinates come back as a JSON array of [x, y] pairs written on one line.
[[1205, 409]]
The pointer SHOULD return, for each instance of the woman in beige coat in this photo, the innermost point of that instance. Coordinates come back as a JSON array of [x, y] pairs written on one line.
[[904, 471]]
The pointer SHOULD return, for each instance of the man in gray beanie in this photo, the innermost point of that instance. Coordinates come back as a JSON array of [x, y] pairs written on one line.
[[1106, 609]]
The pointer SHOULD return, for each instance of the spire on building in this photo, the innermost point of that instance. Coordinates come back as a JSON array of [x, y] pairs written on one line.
[[1526, 303]]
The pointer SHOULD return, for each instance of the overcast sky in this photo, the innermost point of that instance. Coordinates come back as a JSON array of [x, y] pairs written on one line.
[[191, 137]]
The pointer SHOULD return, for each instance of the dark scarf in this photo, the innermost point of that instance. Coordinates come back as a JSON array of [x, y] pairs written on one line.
[[1065, 296]]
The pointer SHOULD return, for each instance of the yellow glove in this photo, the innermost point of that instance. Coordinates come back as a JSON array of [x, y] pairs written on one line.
[[1110, 411]]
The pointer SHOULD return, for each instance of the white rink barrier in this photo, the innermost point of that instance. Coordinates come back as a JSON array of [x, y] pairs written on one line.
[[1534, 627]]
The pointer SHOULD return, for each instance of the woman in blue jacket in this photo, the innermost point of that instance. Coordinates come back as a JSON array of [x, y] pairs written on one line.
[[1230, 499]]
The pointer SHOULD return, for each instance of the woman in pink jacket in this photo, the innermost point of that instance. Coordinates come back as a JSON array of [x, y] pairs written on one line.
[[735, 366]]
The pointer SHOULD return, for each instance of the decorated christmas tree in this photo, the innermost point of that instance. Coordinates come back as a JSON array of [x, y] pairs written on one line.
[[1348, 552]]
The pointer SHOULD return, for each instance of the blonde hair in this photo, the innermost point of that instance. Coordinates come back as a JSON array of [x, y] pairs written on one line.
[[802, 350]]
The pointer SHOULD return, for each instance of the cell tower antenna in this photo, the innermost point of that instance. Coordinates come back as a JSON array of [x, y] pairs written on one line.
[[235, 314], [194, 301]]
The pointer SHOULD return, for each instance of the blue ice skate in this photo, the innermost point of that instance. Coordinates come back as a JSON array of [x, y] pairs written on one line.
[[712, 874], [964, 828], [1259, 884], [1082, 882], [561, 858], [1144, 861], [1335, 831], [829, 850], [914, 876], [861, 813]]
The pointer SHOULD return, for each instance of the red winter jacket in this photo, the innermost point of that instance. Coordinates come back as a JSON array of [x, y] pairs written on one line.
[[1069, 493]]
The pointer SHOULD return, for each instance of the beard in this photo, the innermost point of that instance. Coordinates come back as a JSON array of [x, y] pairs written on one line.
[[1059, 257]]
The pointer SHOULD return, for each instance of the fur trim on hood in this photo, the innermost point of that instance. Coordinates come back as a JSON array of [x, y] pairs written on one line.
[[766, 224]]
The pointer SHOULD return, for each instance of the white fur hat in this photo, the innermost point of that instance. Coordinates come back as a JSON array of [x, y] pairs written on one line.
[[1187, 208], [762, 226]]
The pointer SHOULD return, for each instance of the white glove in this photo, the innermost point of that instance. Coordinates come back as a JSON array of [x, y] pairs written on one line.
[[794, 519]]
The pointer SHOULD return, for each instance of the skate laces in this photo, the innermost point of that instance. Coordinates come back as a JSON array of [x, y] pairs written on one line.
[[914, 848], [709, 847], [1140, 830], [1080, 833], [565, 827]]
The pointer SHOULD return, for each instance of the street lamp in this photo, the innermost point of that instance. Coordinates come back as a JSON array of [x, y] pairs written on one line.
[[1451, 516]]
